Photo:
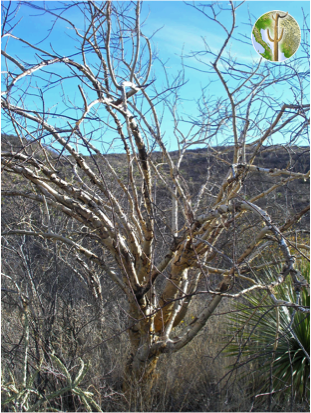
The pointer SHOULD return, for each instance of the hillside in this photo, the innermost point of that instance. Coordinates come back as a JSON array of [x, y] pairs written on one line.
[[66, 320]]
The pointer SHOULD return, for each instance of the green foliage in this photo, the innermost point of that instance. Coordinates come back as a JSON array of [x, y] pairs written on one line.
[[264, 22], [20, 396], [264, 335], [286, 49]]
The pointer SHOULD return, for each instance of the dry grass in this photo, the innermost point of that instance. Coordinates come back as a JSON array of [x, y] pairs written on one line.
[[194, 379], [189, 380]]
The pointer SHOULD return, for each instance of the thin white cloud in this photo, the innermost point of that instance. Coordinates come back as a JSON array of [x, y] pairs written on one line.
[[174, 39]]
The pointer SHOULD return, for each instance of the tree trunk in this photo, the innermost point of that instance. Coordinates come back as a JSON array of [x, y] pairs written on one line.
[[139, 373]]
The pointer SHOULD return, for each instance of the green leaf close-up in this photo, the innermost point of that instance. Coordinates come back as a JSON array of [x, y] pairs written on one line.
[[276, 340]]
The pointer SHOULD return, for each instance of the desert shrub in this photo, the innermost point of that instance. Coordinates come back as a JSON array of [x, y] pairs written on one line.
[[275, 340]]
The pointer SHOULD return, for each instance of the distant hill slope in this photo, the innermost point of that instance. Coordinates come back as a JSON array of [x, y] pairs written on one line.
[[197, 164]]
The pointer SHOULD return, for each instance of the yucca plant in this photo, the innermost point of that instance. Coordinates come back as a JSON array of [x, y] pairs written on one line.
[[275, 339]]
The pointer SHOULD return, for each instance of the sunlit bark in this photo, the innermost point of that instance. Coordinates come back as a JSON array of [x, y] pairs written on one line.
[[122, 213]]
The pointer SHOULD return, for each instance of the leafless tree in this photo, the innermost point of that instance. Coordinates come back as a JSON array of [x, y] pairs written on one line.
[[160, 251]]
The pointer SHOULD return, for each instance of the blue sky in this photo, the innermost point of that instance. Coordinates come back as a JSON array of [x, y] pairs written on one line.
[[182, 29]]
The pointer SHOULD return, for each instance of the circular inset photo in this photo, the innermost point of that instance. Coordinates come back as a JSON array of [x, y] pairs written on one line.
[[276, 36]]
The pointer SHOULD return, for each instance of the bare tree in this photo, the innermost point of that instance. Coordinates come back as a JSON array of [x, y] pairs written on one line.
[[160, 251]]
